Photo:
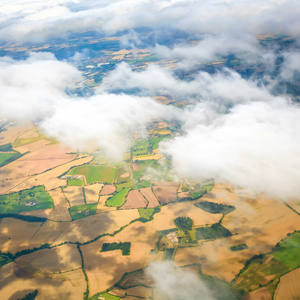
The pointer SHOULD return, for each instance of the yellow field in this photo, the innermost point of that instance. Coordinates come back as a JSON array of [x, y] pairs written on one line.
[[11, 134], [101, 207], [262, 294], [106, 268], [165, 219], [289, 287], [32, 133], [92, 192], [86, 229], [15, 235], [69, 285], [74, 195], [59, 259], [148, 157], [41, 157], [61, 206], [50, 178], [42, 213]]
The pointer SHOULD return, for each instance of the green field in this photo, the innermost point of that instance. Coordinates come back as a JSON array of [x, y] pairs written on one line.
[[36, 198], [143, 166], [288, 252], [120, 171], [141, 184], [146, 213], [128, 184], [105, 174], [215, 208], [118, 199], [82, 211], [141, 147], [212, 232], [77, 182], [5, 156], [104, 295]]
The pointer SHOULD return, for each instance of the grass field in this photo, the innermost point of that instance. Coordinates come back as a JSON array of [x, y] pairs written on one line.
[[5, 156], [81, 211], [128, 184], [146, 213], [118, 199], [35, 198], [76, 182], [123, 174], [141, 184], [141, 147], [105, 174], [288, 251], [143, 166], [106, 296]]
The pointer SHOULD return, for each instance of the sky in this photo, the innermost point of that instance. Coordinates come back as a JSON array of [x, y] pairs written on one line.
[[238, 131]]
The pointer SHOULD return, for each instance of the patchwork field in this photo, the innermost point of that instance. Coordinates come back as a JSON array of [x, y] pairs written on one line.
[[70, 285], [148, 194], [288, 287], [59, 259], [134, 200], [92, 192], [104, 174], [106, 268], [87, 229], [74, 194], [165, 219]]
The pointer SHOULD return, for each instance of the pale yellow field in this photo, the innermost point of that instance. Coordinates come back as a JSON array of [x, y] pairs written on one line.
[[49, 179], [59, 259], [165, 219], [32, 133], [156, 156], [289, 287], [15, 235], [49, 232], [69, 285], [42, 213], [74, 195], [11, 134], [61, 206], [101, 207], [7, 185], [41, 157], [92, 192], [215, 258], [86, 229], [106, 268]]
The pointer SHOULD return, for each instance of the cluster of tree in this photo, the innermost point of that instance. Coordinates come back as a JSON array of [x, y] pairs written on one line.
[[184, 223], [215, 208], [27, 251], [30, 296], [124, 247], [212, 232], [238, 247]]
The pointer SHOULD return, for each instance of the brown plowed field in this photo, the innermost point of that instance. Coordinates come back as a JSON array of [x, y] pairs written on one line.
[[289, 287], [148, 194], [165, 194], [134, 200], [108, 189]]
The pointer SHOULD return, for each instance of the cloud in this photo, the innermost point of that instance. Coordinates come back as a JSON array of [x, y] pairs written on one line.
[[254, 146], [39, 20], [172, 283]]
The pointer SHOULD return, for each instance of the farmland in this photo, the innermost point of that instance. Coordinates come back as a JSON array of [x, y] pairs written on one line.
[[118, 199], [27, 200]]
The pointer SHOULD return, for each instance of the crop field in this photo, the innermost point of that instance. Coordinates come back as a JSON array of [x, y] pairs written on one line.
[[148, 194], [134, 200], [92, 192], [27, 200], [165, 192], [87, 229], [76, 182], [165, 219], [123, 174], [107, 189], [74, 195], [16, 235], [118, 199], [141, 185], [104, 174], [288, 287], [70, 285], [82, 211], [11, 134], [61, 206], [146, 213], [104, 269], [128, 184], [102, 207], [59, 259], [4, 156]]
